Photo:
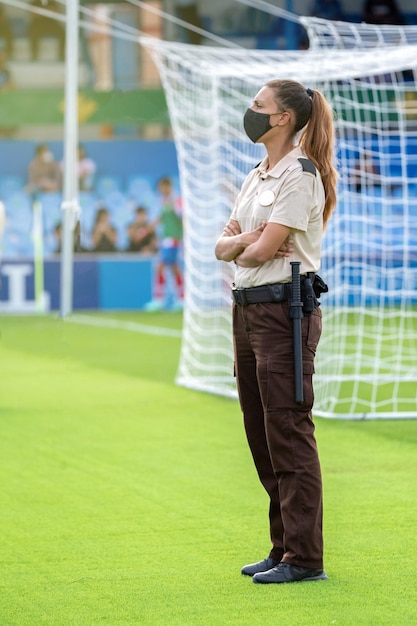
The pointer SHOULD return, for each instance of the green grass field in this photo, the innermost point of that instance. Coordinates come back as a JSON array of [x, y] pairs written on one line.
[[127, 500]]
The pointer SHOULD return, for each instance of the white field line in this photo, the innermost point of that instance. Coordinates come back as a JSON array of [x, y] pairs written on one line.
[[91, 320]]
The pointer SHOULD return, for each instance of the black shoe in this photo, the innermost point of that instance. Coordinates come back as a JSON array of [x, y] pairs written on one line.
[[262, 566], [286, 573]]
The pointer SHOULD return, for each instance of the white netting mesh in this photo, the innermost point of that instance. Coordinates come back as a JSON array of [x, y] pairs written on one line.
[[349, 35], [366, 362]]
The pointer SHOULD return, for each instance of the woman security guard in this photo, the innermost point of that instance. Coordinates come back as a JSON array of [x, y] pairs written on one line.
[[291, 193]]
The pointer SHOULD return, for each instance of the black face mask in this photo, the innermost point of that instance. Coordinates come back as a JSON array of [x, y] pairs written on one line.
[[256, 124]]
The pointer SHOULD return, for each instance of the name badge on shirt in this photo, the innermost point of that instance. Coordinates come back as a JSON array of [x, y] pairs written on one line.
[[266, 198]]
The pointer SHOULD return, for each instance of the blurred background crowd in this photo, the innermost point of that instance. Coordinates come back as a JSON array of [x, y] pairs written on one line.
[[122, 110]]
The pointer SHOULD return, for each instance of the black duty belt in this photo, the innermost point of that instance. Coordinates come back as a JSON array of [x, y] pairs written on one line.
[[278, 292]]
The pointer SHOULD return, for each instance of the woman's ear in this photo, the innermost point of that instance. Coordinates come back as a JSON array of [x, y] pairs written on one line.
[[285, 118]]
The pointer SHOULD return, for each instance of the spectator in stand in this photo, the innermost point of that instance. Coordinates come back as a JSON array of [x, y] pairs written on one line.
[[381, 12], [86, 170], [170, 229], [6, 33], [141, 234], [327, 9], [77, 238], [44, 172], [104, 235], [41, 26]]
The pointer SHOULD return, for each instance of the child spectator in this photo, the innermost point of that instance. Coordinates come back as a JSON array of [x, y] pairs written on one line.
[[76, 238], [141, 234], [170, 229], [44, 172], [104, 235]]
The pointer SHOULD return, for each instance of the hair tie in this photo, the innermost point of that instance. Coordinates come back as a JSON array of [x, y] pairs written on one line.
[[310, 93]]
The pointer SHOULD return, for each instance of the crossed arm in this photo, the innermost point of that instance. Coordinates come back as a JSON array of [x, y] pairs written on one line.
[[250, 249]]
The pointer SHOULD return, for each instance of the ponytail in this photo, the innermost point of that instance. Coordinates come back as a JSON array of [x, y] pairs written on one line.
[[317, 141], [313, 113]]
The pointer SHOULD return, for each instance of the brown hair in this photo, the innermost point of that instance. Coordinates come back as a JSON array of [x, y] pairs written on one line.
[[312, 111]]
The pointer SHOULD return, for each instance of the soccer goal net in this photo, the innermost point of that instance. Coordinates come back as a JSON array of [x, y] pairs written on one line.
[[366, 363]]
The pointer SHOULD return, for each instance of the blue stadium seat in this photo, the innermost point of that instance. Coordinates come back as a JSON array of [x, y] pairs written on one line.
[[87, 197], [19, 210], [397, 191], [51, 209], [398, 236], [107, 184], [374, 206], [374, 191], [115, 202], [142, 191], [176, 183], [395, 169], [122, 239], [10, 246], [16, 243], [412, 236], [411, 168], [87, 217], [121, 219], [139, 185], [9, 185], [88, 205], [397, 208], [49, 244]]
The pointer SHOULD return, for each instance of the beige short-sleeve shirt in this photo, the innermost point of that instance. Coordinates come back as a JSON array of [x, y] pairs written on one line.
[[287, 195]]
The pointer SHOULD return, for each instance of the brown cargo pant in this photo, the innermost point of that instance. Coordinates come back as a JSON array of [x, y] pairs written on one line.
[[280, 432]]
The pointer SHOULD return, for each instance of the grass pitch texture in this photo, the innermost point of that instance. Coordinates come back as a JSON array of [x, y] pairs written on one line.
[[128, 500]]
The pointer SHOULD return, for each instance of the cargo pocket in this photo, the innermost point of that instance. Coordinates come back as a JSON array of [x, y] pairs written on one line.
[[281, 386], [314, 329]]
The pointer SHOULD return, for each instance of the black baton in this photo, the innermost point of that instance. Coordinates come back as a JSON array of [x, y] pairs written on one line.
[[296, 314]]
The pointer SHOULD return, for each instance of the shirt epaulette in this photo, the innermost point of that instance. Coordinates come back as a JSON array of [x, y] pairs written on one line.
[[307, 165]]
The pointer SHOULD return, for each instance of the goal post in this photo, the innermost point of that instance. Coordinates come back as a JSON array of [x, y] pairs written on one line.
[[366, 365]]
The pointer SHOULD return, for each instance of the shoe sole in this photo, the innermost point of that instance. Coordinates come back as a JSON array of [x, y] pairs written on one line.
[[280, 582]]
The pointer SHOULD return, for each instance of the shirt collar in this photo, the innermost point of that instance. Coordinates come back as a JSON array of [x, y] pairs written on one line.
[[282, 165]]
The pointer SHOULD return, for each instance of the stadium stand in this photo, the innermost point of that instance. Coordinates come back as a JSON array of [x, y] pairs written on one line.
[[124, 190], [127, 176]]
